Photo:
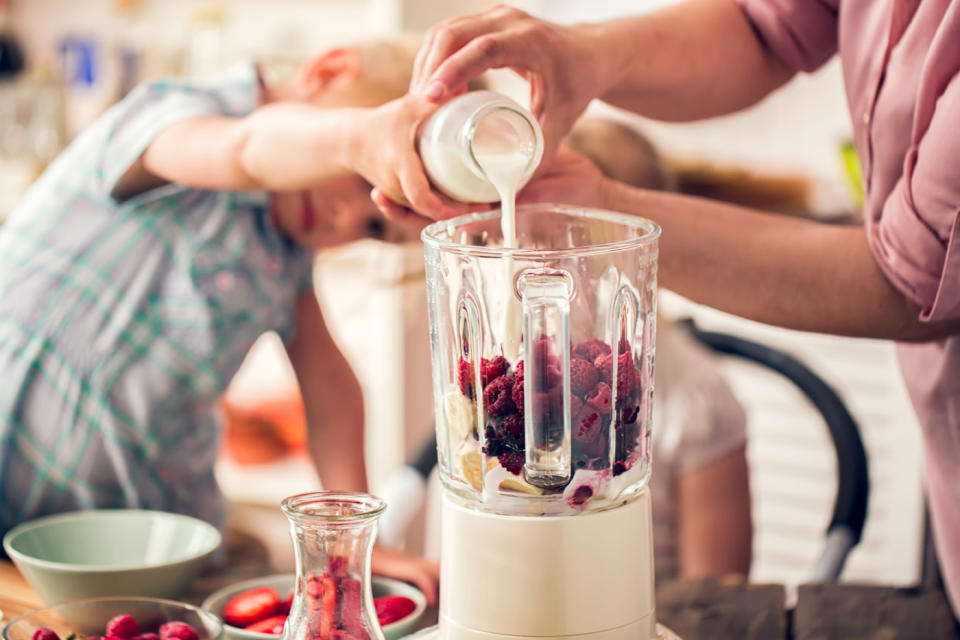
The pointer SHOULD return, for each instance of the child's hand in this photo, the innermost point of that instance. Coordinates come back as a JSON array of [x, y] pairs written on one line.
[[420, 572], [568, 178], [386, 155]]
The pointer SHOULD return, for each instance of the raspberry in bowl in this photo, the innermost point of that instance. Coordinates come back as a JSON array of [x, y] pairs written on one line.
[[126, 618]]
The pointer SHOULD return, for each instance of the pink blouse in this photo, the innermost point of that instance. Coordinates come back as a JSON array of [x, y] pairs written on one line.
[[901, 67]]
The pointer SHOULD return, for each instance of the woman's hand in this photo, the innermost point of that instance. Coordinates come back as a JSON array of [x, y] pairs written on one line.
[[562, 64], [568, 178], [422, 573]]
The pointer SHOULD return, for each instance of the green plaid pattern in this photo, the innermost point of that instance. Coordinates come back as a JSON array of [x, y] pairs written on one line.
[[121, 324]]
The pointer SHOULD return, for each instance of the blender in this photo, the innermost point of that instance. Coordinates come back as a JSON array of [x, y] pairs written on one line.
[[543, 383]]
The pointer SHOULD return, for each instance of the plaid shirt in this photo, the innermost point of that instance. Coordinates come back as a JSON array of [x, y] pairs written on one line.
[[122, 323]]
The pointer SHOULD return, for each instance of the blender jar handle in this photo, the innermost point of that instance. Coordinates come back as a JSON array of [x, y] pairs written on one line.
[[545, 297]]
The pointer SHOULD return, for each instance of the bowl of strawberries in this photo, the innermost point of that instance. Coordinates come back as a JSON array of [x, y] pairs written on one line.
[[257, 609]]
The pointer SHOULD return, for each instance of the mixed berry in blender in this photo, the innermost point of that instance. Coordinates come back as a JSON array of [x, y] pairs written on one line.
[[591, 405]]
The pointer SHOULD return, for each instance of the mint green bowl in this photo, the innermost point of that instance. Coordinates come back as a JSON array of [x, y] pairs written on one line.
[[113, 552], [89, 617]]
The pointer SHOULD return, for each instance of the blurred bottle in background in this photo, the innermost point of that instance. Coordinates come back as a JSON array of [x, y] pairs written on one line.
[[88, 90]]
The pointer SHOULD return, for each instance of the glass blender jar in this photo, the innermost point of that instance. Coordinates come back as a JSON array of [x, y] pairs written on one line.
[[543, 383]]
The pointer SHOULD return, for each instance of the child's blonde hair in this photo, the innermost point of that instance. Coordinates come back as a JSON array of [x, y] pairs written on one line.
[[620, 152]]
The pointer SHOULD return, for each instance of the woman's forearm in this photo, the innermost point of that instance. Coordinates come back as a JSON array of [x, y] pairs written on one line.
[[780, 270], [693, 60]]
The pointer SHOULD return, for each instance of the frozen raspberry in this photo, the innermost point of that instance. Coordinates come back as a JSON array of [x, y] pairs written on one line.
[[590, 349], [587, 426], [548, 365], [496, 397], [626, 372], [492, 369], [548, 407], [148, 636], [122, 626], [465, 377], [493, 443], [518, 371], [601, 398], [581, 495], [583, 376], [44, 633], [177, 631], [512, 461], [511, 429], [517, 393], [576, 404]]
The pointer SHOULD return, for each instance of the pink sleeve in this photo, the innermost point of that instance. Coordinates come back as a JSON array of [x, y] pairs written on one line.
[[916, 239], [802, 33]]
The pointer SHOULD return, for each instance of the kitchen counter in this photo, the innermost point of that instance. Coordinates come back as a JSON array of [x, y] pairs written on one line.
[[695, 610]]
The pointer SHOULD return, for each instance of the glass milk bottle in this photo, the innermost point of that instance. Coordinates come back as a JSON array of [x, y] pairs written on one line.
[[480, 144]]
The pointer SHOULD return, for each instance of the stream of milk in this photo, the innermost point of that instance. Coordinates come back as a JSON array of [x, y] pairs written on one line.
[[506, 172]]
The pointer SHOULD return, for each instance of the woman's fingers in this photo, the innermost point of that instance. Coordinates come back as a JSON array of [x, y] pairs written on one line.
[[442, 40]]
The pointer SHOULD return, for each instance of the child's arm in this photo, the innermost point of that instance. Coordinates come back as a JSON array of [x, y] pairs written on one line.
[[293, 146], [332, 399], [715, 532]]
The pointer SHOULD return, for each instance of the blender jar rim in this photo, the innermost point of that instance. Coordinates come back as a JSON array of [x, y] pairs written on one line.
[[431, 234]]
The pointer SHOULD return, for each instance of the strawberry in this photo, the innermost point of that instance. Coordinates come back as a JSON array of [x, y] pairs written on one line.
[[328, 605], [44, 633], [351, 605], [273, 625], [250, 606], [393, 608]]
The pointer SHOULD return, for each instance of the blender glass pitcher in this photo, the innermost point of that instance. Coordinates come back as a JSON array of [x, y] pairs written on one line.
[[526, 346]]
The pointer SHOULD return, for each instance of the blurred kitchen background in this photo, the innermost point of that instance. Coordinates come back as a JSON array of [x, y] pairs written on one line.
[[64, 61]]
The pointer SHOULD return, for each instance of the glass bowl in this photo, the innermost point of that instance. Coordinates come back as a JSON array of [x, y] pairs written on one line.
[[89, 617]]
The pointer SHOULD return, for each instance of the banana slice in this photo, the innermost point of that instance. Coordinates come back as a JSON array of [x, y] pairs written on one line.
[[461, 415], [471, 459]]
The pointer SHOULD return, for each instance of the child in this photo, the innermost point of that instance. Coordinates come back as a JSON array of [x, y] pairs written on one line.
[[701, 496], [139, 269]]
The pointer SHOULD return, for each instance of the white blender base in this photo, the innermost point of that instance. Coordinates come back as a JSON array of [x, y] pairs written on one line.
[[582, 577]]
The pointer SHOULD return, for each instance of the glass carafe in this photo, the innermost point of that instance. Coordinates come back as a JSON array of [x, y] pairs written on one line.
[[526, 346], [333, 535]]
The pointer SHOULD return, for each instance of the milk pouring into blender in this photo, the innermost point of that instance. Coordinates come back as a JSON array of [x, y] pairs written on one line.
[[484, 147]]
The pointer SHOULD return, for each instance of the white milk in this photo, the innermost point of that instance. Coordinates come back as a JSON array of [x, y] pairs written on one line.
[[449, 172], [506, 173]]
